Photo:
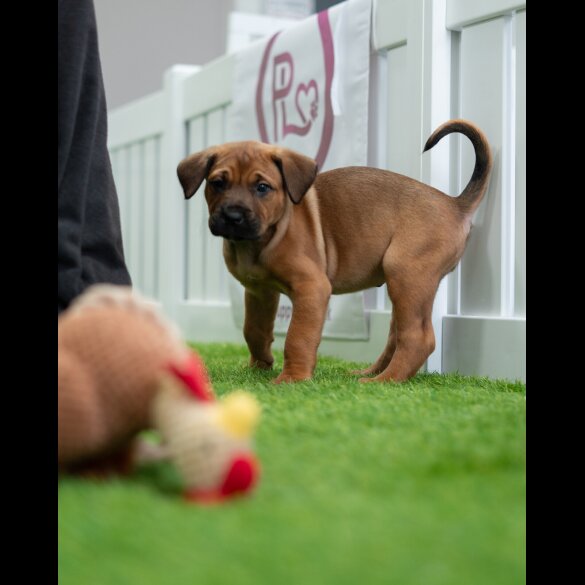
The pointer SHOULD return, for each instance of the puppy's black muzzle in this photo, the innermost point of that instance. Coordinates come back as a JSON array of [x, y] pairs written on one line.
[[234, 222]]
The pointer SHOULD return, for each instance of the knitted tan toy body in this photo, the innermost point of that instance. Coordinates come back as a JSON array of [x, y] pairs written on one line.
[[110, 359], [122, 369]]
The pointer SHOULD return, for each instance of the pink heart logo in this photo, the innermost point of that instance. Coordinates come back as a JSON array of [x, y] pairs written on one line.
[[307, 101], [307, 115]]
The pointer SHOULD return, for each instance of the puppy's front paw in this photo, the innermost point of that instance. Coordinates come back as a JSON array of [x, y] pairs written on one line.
[[378, 378], [289, 378], [261, 364], [365, 380]]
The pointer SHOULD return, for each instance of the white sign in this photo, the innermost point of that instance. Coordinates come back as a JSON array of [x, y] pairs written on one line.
[[306, 88]]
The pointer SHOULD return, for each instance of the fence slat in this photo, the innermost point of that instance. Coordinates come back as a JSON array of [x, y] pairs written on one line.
[[520, 252], [116, 162], [390, 24], [397, 116], [149, 229], [123, 186], [215, 271], [134, 188], [482, 87], [399, 159], [461, 13], [196, 220], [136, 121]]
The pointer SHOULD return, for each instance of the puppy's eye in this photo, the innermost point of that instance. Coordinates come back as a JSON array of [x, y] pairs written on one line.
[[263, 188], [218, 184]]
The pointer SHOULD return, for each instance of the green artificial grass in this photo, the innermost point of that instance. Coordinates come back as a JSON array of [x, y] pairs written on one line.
[[421, 483]]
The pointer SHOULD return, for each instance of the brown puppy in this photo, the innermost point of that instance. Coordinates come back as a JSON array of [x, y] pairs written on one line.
[[288, 230]]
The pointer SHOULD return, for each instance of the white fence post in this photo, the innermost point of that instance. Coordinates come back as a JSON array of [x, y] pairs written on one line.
[[171, 251], [436, 109]]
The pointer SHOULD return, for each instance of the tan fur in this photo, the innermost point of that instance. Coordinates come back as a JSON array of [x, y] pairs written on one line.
[[355, 228]]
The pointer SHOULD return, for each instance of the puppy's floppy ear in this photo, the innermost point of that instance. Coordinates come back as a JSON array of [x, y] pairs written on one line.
[[298, 172], [193, 169]]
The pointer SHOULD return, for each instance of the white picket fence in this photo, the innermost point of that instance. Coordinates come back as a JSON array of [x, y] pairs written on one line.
[[433, 60]]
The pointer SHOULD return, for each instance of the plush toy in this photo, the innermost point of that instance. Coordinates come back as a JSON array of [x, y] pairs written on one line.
[[123, 368]]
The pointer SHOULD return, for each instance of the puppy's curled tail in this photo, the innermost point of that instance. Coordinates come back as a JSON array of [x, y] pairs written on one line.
[[473, 193]]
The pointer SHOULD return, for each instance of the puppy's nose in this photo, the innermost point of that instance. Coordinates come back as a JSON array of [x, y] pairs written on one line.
[[233, 214]]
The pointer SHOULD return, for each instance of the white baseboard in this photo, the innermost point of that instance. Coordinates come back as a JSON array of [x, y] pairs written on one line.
[[484, 346]]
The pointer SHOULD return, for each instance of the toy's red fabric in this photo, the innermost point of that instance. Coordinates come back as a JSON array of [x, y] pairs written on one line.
[[241, 476], [194, 376]]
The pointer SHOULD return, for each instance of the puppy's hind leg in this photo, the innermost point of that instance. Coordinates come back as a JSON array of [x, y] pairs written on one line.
[[412, 288], [385, 357]]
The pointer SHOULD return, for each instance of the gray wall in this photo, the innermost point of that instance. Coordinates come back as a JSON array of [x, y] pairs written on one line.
[[139, 39]]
